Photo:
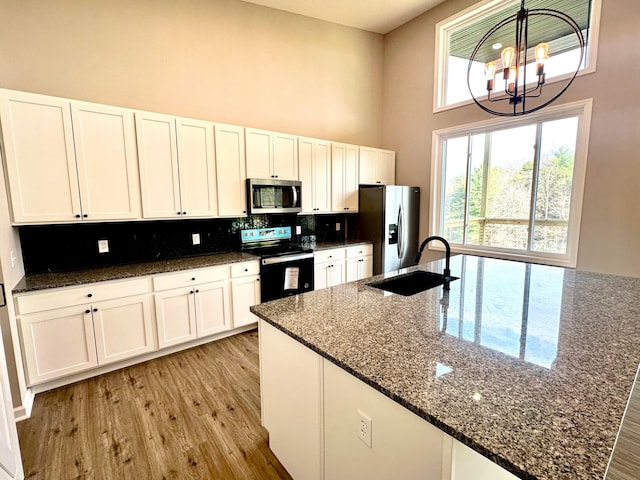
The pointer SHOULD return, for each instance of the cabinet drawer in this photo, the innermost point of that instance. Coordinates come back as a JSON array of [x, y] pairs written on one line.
[[190, 277], [359, 250], [328, 255], [244, 269], [90, 293]]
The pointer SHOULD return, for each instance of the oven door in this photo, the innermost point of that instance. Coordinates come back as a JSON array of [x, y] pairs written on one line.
[[285, 275]]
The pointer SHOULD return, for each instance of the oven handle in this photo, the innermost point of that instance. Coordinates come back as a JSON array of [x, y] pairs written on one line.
[[286, 258]]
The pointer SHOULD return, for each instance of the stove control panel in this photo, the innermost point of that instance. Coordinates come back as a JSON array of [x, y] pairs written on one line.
[[253, 235]]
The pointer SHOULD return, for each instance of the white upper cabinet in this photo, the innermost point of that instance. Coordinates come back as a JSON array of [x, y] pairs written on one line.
[[230, 164], [68, 161], [177, 166], [377, 166], [344, 178], [271, 155], [196, 161], [158, 157], [107, 165], [314, 157]]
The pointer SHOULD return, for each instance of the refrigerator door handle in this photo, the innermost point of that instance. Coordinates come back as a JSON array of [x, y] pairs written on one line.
[[400, 232]]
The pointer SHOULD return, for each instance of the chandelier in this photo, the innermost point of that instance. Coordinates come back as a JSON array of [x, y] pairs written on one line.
[[520, 90]]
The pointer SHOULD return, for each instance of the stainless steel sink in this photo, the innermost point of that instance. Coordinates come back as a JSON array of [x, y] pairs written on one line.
[[413, 282]]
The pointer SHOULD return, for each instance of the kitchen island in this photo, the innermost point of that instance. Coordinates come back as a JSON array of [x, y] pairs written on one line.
[[530, 366]]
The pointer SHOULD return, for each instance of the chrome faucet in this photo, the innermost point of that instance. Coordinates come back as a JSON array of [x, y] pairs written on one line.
[[447, 271]]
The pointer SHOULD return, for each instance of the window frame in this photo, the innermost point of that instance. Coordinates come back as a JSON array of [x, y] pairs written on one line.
[[473, 13], [582, 109]]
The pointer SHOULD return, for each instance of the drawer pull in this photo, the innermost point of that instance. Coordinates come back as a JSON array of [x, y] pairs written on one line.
[[90, 295], [87, 311], [95, 309], [193, 279]]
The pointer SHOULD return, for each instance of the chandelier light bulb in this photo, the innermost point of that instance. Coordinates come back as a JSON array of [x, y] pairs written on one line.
[[490, 72], [507, 57], [542, 52]]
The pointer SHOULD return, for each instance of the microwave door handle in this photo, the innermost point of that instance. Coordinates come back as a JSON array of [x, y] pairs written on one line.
[[295, 196]]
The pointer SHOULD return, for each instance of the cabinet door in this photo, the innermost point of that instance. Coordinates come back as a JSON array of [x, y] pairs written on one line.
[[57, 343], [230, 169], [104, 139], [259, 153], [368, 166], [198, 195], [359, 268], [213, 312], [322, 177], [387, 167], [365, 268], [351, 165], [338, 158], [353, 265], [320, 276], [285, 156], [156, 136], [122, 328], [305, 164], [336, 273], [246, 293], [175, 316], [40, 159]]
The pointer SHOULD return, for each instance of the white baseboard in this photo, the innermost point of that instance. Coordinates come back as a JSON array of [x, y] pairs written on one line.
[[24, 411]]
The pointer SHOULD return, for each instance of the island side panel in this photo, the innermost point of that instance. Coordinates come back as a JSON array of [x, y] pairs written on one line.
[[403, 445], [291, 387]]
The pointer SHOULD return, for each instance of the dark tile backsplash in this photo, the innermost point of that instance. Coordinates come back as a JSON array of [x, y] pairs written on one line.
[[56, 248]]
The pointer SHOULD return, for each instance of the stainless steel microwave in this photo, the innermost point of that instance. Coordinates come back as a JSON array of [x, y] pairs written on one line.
[[273, 196]]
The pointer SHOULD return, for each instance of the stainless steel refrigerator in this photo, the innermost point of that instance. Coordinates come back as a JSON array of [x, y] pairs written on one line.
[[388, 215]]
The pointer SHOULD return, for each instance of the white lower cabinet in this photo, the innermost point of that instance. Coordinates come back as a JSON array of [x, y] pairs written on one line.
[[63, 341], [175, 316], [123, 328], [66, 331], [359, 262], [340, 265], [313, 409], [192, 304], [57, 343], [246, 293]]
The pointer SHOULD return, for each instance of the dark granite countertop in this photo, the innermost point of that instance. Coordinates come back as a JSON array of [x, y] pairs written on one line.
[[338, 244], [41, 281], [529, 365]]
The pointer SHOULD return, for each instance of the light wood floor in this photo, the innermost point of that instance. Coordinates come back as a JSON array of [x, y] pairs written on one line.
[[625, 460], [190, 415]]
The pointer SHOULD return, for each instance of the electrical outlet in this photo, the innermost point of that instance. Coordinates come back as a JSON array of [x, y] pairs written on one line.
[[13, 259], [364, 428], [103, 246], [195, 238], [298, 229], [338, 226]]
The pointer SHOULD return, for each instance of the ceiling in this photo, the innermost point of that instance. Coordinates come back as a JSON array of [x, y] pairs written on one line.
[[379, 16]]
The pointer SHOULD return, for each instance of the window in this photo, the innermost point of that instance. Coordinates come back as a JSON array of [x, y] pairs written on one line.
[[456, 37], [513, 188]]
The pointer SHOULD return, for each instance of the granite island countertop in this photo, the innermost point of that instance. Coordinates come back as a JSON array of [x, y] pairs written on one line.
[[529, 365], [42, 281]]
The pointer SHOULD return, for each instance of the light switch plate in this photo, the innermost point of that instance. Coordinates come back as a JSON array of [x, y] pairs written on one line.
[[338, 227], [103, 246], [195, 238]]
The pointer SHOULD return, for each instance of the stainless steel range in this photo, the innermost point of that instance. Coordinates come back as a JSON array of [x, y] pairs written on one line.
[[285, 269]]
